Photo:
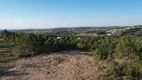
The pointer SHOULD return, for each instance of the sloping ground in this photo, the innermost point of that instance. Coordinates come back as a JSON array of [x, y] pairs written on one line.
[[66, 65]]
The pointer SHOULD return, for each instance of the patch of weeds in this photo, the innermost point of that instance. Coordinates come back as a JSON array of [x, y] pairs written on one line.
[[7, 59], [4, 63], [101, 68], [3, 66]]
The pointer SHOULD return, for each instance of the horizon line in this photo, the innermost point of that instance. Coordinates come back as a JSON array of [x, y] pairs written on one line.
[[67, 27]]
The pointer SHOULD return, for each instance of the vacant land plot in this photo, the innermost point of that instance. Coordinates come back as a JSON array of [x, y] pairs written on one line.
[[66, 65]]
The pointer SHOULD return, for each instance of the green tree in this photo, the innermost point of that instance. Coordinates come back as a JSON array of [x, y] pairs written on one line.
[[125, 47]]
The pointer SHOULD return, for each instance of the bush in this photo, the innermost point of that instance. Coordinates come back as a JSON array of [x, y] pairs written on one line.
[[129, 70], [23, 50]]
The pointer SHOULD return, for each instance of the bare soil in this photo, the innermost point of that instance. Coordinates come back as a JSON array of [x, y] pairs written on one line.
[[64, 65]]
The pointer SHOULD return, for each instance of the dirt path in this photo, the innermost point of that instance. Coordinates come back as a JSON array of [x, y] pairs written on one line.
[[57, 66]]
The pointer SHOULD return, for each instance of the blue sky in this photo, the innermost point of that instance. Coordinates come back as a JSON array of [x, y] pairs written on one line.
[[19, 14]]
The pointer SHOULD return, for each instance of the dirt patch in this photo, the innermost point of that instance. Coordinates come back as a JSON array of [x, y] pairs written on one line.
[[56, 66]]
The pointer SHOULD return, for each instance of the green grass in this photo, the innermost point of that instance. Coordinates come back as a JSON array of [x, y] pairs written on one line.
[[4, 49], [4, 46], [3, 66], [6, 59], [4, 62], [5, 56], [2, 41]]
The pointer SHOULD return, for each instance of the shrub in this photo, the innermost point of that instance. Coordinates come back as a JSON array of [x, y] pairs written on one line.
[[23, 50], [130, 70]]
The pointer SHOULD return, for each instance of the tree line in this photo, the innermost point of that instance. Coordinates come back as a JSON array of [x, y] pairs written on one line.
[[102, 47]]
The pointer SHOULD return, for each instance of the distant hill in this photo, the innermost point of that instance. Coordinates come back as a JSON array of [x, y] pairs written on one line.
[[69, 28]]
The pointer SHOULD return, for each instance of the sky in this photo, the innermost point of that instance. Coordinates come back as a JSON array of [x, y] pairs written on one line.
[[25, 14]]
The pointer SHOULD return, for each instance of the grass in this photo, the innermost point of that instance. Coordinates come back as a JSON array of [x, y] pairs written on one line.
[[6, 59], [4, 62], [5, 56], [2, 41], [4, 49], [4, 46], [3, 66]]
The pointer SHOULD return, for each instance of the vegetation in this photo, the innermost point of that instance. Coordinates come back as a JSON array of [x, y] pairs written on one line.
[[126, 47], [5, 55]]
